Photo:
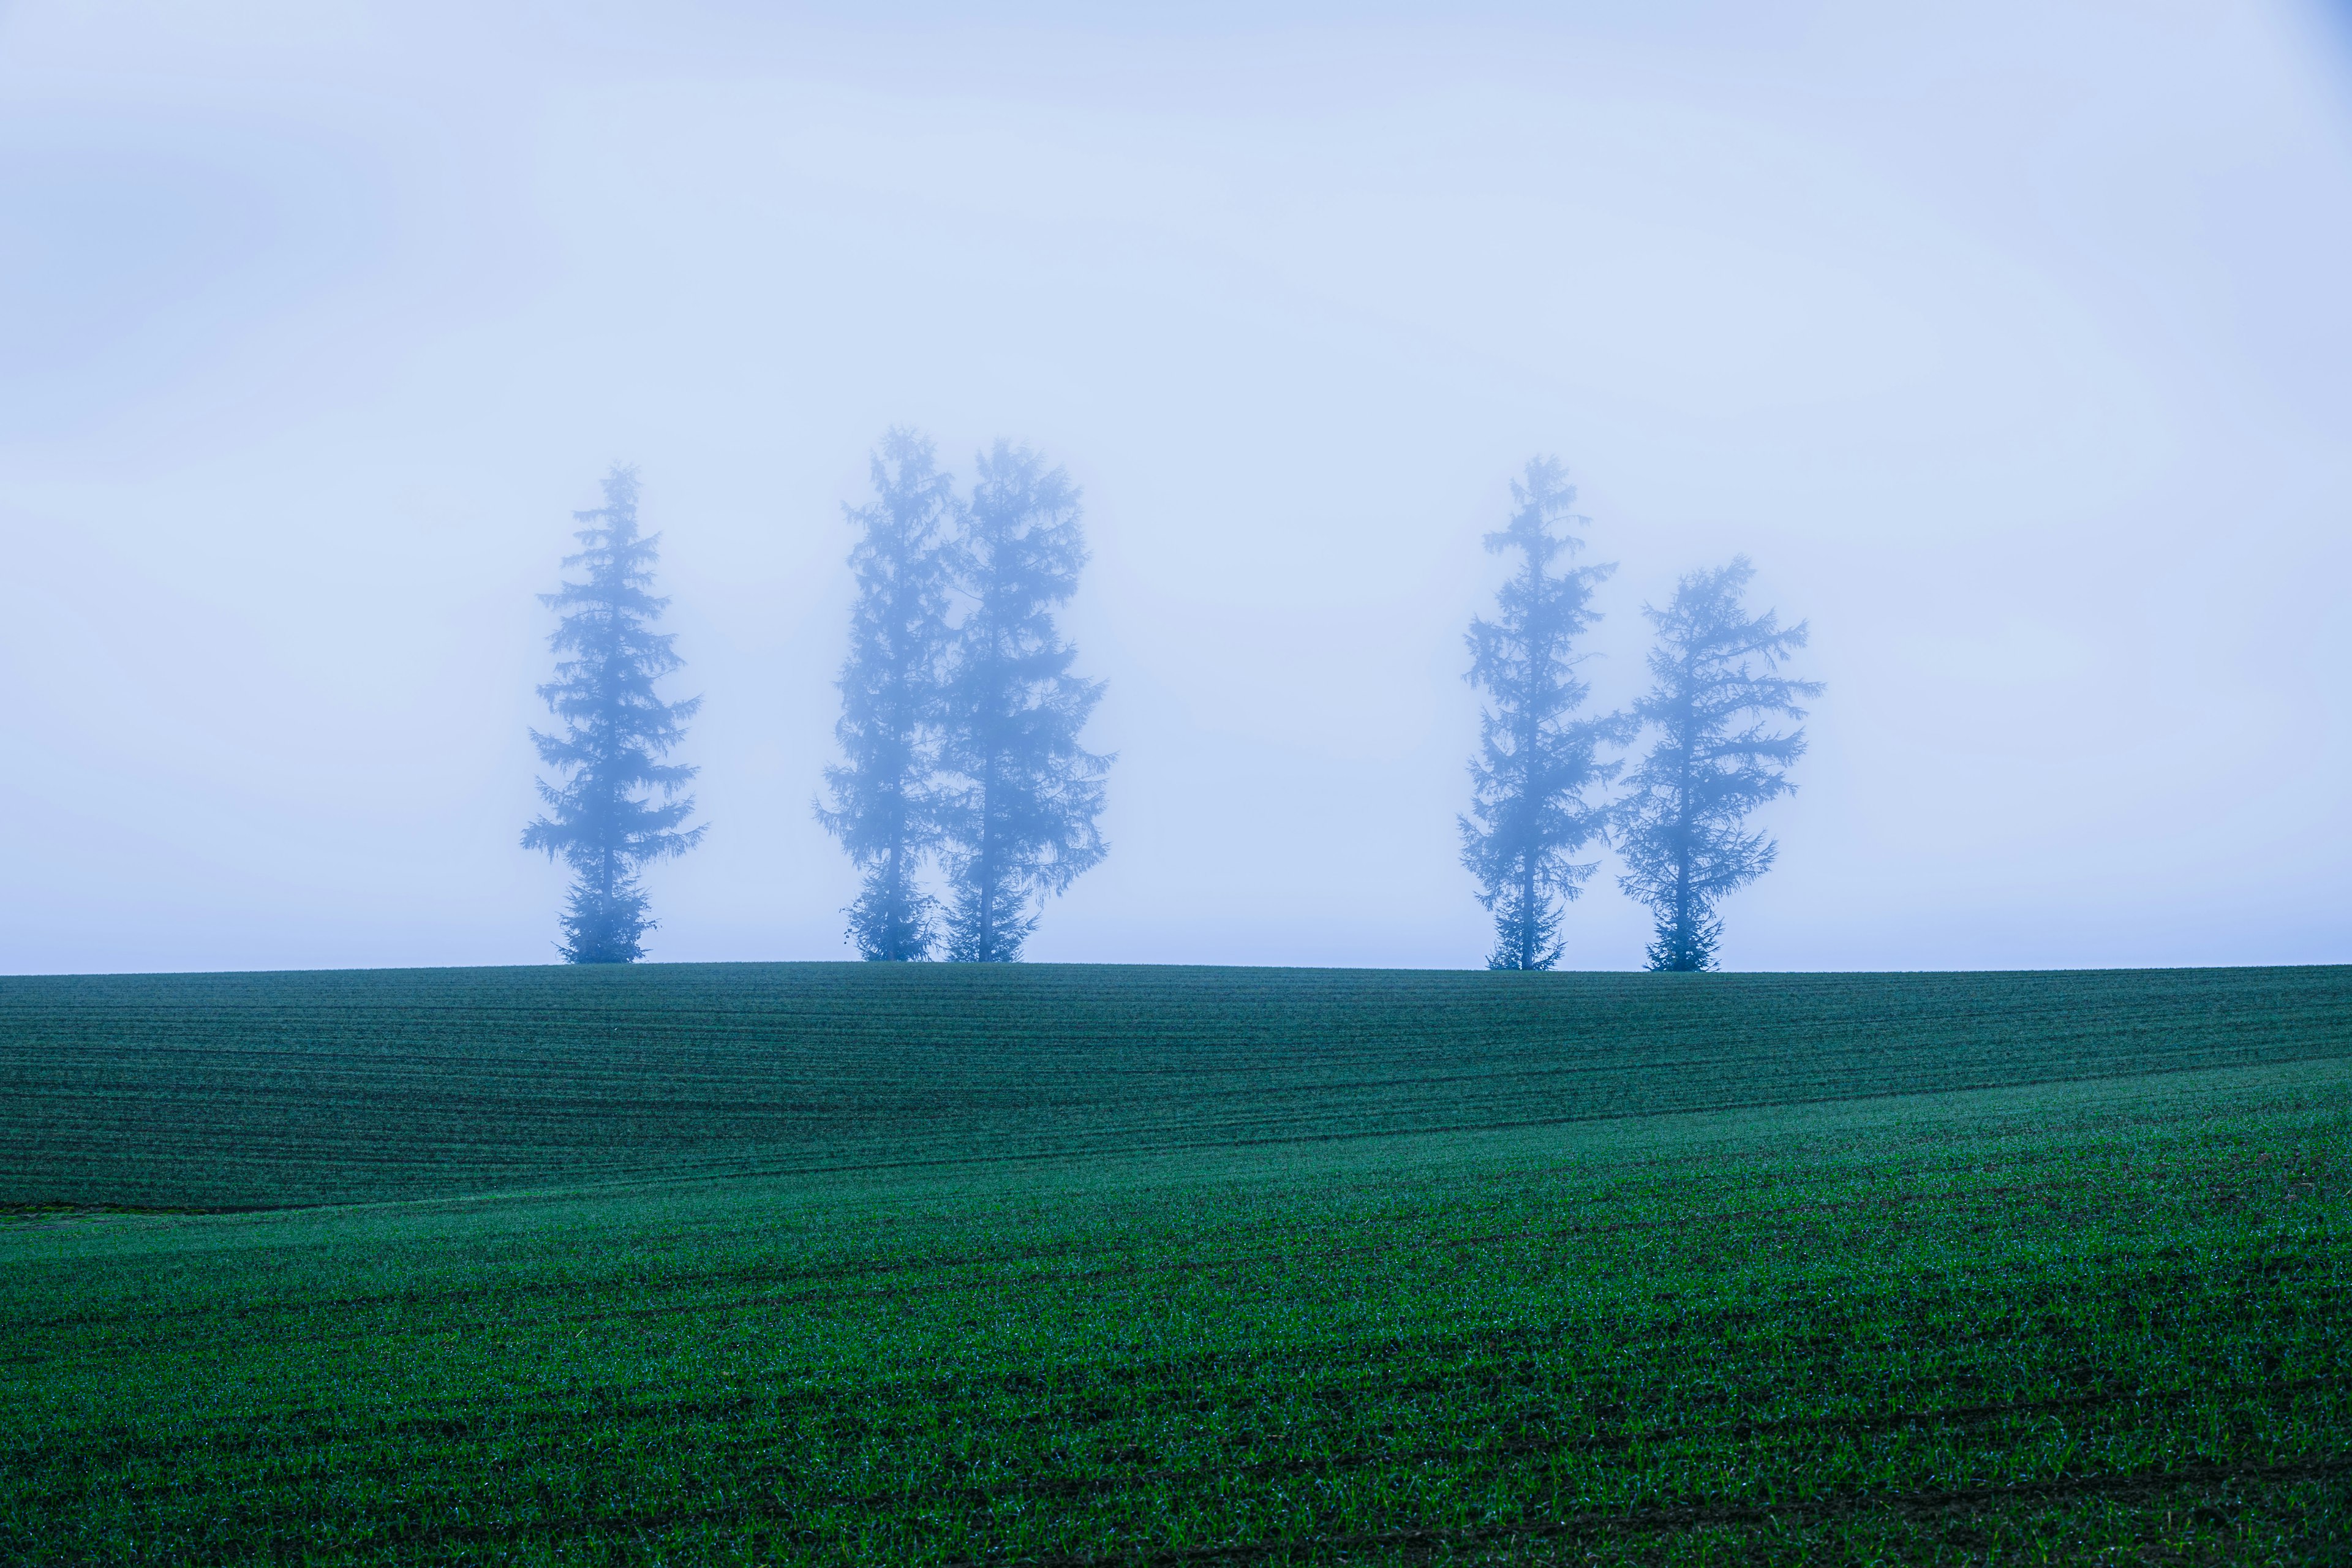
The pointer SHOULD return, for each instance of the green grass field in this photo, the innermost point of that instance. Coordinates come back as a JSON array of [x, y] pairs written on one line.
[[841, 1264]]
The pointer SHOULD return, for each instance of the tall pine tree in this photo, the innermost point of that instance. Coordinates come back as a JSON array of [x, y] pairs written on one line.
[[616, 807], [884, 801], [1020, 811], [1682, 825], [1537, 763]]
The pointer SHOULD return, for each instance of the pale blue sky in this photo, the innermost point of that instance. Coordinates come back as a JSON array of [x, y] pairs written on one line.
[[2013, 344]]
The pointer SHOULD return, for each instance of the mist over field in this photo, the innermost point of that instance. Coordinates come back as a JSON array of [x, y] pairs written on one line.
[[2013, 346]]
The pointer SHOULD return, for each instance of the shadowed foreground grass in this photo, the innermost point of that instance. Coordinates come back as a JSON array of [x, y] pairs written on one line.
[[2099, 1321]]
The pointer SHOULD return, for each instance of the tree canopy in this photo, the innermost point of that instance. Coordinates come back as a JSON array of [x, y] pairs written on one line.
[[885, 793], [1531, 784], [615, 806], [1022, 799], [1714, 758]]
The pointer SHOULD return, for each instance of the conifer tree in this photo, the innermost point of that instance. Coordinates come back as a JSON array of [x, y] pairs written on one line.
[[1020, 811], [1537, 763], [884, 796], [1682, 828], [615, 806]]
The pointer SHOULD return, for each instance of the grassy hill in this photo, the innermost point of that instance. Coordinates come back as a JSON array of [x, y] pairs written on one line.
[[257, 1090], [750, 1265]]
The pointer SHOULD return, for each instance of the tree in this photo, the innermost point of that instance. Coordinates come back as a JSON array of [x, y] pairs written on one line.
[[884, 809], [1682, 827], [1020, 814], [621, 807], [1536, 762]]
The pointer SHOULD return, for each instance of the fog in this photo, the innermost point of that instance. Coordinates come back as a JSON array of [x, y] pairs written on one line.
[[2013, 346]]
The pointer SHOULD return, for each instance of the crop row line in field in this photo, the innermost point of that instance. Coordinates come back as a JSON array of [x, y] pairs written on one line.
[[1829, 1326], [1958, 1417], [1654, 1520], [1016, 1286], [1078, 1403], [690, 1164], [1961, 1418], [771, 1279], [751, 1506]]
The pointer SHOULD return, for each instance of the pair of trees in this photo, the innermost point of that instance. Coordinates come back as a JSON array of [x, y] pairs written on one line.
[[961, 709], [1539, 785]]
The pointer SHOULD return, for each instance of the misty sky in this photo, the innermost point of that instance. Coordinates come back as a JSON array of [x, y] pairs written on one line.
[[2015, 346]]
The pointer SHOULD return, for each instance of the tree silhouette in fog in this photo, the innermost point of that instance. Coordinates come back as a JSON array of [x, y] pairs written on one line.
[[1020, 797], [884, 796], [1537, 764], [616, 807], [1682, 828]]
